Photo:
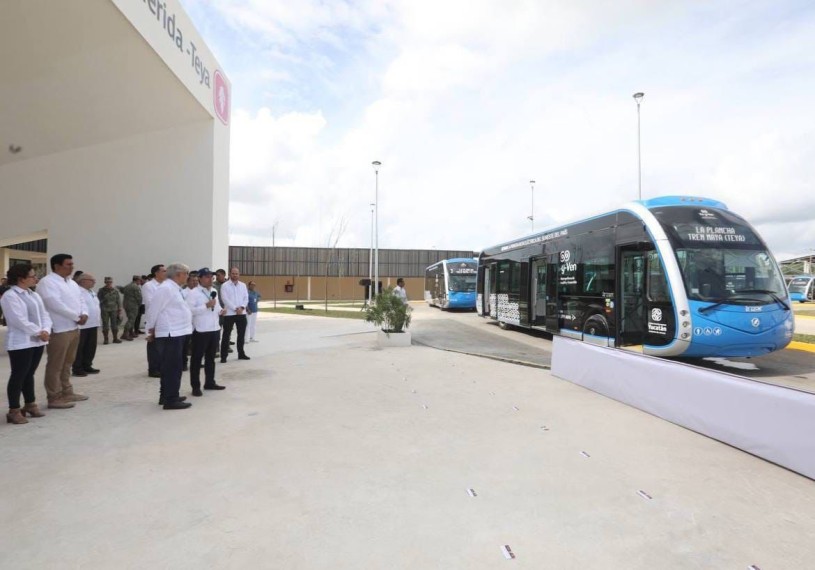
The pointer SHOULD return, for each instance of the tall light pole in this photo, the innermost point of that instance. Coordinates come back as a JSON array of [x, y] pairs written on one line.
[[376, 164], [371, 259], [274, 266], [531, 216], [638, 98]]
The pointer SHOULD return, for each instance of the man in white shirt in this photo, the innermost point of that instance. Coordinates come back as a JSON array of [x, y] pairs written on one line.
[[67, 308], [400, 292], [86, 351], [206, 310], [148, 291], [235, 297], [169, 321]]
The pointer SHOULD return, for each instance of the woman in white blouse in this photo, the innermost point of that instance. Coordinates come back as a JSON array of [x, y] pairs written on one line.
[[28, 329]]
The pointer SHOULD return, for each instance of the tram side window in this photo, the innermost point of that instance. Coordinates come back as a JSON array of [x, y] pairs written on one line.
[[598, 276], [504, 271], [509, 277], [657, 282], [515, 278]]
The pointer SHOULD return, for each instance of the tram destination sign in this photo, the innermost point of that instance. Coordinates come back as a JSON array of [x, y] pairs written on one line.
[[464, 270]]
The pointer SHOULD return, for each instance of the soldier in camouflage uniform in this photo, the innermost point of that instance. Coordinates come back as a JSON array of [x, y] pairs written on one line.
[[111, 303], [132, 302]]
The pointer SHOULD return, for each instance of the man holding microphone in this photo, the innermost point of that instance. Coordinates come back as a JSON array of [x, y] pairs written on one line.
[[206, 311]]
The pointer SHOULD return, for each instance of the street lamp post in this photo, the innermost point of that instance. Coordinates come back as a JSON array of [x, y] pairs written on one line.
[[274, 266], [376, 164], [531, 216], [371, 259], [638, 98]]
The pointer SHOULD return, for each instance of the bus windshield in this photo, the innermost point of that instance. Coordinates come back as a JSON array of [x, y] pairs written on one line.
[[799, 284], [721, 257], [738, 276], [462, 283]]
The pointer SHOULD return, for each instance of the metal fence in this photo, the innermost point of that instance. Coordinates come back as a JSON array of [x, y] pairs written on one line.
[[335, 262]]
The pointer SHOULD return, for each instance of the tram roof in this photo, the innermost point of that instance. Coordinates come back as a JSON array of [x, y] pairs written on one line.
[[658, 202]]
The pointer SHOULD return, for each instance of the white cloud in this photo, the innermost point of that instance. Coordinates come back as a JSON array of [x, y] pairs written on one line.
[[464, 102]]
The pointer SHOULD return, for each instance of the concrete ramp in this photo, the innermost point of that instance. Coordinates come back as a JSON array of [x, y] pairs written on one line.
[[772, 422]]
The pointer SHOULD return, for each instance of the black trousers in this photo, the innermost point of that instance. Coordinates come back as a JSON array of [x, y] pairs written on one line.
[[204, 346], [238, 321], [169, 350], [138, 318], [24, 363], [86, 351], [153, 359]]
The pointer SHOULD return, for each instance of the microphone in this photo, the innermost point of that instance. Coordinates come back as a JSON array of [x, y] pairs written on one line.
[[213, 295]]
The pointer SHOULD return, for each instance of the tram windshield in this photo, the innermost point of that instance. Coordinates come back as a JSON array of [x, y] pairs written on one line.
[[462, 283], [799, 284], [721, 257], [462, 276]]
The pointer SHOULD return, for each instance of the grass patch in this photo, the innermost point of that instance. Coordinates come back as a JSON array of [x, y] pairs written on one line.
[[810, 338], [359, 315]]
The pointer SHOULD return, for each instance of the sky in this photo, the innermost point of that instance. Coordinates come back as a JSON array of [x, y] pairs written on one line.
[[465, 102]]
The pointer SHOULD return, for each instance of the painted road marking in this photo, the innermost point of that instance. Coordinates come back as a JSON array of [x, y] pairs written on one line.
[[805, 346], [507, 551]]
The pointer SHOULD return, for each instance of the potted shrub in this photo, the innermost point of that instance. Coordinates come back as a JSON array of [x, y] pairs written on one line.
[[392, 317]]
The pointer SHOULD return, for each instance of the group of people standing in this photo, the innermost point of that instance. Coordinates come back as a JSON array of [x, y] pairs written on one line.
[[184, 311]]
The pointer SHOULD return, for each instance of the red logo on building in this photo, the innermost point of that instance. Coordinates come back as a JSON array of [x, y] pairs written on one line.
[[220, 95]]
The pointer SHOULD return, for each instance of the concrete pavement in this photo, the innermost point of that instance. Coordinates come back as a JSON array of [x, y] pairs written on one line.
[[326, 452]]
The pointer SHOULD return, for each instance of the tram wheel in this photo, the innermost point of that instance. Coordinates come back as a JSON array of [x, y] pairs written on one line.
[[596, 325], [503, 326]]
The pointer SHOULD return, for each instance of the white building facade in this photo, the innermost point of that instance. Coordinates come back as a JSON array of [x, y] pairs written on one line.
[[114, 135]]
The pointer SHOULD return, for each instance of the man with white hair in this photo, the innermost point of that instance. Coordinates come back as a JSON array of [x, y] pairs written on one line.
[[169, 322], [88, 333]]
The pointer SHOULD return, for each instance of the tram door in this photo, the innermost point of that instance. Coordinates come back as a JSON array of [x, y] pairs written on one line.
[[552, 309], [632, 315], [538, 292], [485, 296]]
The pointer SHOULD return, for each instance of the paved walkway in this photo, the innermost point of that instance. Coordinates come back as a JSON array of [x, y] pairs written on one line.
[[325, 452]]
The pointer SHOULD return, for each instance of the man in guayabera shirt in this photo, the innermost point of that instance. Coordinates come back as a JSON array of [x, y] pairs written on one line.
[[148, 291], [67, 308]]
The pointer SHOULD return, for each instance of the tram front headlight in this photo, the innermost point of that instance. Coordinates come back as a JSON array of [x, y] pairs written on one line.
[[683, 312], [685, 324], [685, 335]]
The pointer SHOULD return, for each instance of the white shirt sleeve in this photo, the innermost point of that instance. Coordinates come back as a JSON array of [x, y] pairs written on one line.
[[156, 306], [16, 314]]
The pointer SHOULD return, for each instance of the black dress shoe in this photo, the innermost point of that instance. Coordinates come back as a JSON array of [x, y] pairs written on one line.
[[231, 351], [154, 374], [223, 361], [231, 343], [214, 387], [161, 401], [244, 357], [197, 391], [177, 405], [92, 370], [80, 373]]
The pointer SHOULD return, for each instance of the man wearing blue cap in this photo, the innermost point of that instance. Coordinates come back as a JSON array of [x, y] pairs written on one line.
[[203, 303]]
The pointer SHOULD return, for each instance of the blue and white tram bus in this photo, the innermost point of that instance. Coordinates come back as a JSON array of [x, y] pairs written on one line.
[[802, 288], [671, 276], [450, 283]]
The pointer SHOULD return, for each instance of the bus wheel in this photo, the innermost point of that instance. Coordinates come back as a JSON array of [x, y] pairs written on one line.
[[596, 325]]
